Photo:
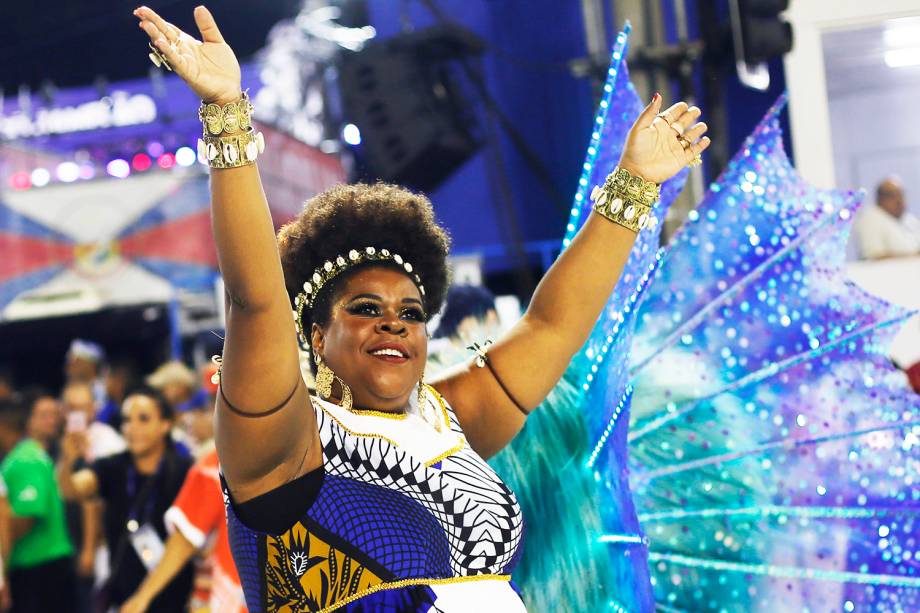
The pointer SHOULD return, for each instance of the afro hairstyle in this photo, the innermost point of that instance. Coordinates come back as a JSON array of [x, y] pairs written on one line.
[[356, 216]]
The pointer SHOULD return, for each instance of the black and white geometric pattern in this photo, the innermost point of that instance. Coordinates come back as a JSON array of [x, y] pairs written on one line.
[[478, 513]]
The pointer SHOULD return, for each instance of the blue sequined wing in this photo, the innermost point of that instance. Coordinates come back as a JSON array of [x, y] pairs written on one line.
[[568, 505], [773, 448]]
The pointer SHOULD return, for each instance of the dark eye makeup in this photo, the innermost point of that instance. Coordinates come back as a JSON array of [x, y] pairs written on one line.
[[367, 309], [372, 309]]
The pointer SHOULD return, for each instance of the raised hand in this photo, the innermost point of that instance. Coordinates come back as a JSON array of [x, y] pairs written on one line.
[[73, 446], [659, 144], [209, 65]]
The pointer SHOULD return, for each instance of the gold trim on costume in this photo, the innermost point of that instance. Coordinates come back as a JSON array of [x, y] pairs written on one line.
[[447, 453], [459, 446], [399, 416], [440, 399], [427, 463], [376, 413], [352, 432], [407, 582]]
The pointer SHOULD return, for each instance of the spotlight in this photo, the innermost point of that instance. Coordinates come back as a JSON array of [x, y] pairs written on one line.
[[68, 172], [20, 180], [185, 156], [40, 177], [141, 161], [87, 171], [899, 58], [167, 160], [351, 134], [155, 149], [118, 168]]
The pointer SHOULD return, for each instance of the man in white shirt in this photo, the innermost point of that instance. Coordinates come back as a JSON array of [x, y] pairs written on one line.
[[886, 229]]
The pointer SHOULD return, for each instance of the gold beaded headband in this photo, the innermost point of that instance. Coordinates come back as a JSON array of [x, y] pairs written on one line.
[[333, 268]]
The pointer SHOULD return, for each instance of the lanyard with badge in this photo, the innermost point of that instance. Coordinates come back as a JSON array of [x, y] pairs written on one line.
[[143, 536]]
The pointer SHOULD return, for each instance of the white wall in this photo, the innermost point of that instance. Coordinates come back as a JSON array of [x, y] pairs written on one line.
[[874, 134], [805, 74]]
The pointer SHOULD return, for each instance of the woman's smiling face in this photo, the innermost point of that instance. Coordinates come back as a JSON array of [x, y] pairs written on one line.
[[375, 339]]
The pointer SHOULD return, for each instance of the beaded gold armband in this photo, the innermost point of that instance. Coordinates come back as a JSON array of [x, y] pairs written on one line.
[[232, 150], [231, 117], [228, 139], [627, 200]]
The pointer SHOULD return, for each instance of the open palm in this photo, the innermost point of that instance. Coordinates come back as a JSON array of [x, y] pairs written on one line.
[[209, 65], [654, 149]]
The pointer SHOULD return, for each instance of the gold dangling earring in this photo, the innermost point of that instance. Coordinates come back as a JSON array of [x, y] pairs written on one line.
[[346, 395], [324, 379], [427, 413], [422, 400]]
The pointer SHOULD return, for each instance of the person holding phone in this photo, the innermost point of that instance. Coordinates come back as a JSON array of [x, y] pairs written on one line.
[[84, 517], [80, 415], [137, 487]]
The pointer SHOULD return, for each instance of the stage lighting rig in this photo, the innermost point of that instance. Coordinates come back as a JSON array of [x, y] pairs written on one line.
[[407, 104], [759, 34]]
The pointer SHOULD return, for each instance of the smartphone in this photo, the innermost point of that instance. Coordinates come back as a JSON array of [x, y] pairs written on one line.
[[76, 421]]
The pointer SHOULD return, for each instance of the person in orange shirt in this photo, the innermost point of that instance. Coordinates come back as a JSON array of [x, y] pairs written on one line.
[[195, 515]]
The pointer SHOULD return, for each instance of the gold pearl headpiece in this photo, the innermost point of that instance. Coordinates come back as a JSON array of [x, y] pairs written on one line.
[[333, 268]]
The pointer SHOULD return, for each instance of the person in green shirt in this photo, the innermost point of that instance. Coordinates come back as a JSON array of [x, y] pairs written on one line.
[[40, 565]]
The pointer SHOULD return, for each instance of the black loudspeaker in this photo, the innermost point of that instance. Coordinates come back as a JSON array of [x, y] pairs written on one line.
[[764, 33], [416, 127]]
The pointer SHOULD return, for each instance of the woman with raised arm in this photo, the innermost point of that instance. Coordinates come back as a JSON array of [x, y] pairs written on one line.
[[374, 494]]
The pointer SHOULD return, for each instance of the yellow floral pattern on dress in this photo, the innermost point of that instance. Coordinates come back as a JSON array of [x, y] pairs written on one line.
[[304, 573]]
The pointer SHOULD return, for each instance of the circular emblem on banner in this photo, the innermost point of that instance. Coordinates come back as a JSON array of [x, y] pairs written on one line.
[[97, 259]]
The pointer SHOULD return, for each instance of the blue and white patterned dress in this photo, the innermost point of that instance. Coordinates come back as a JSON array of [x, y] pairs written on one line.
[[408, 518]]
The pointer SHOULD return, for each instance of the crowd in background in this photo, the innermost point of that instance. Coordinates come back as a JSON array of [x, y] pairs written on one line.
[[111, 498]]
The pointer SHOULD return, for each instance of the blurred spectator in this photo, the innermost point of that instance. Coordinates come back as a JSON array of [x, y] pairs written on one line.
[[137, 487], [119, 375], [468, 308], [6, 516], [84, 518], [469, 316], [178, 384], [80, 414], [45, 420], [176, 381], [83, 364], [196, 515], [886, 229], [40, 565], [7, 383], [196, 418]]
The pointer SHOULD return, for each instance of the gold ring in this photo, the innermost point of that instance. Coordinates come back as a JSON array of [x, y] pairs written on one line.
[[678, 128], [157, 58], [684, 142]]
